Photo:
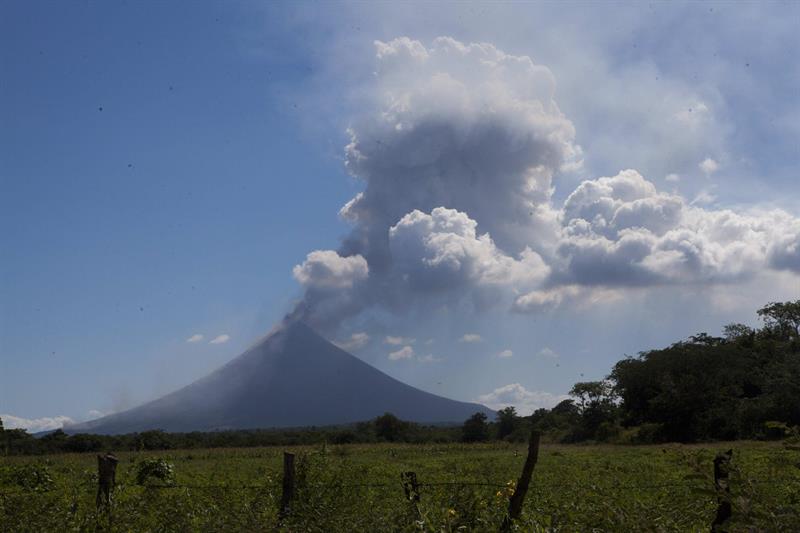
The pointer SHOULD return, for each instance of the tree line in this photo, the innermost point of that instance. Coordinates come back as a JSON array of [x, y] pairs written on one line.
[[744, 384]]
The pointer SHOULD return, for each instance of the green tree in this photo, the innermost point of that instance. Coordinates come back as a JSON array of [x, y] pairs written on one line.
[[782, 318], [592, 394], [507, 421], [389, 427], [596, 406], [734, 332], [475, 429], [716, 390], [54, 441]]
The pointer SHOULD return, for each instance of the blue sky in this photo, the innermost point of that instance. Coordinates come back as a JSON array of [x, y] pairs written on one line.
[[165, 166]]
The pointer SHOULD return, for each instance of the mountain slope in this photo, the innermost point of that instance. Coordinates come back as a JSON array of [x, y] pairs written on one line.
[[292, 378]]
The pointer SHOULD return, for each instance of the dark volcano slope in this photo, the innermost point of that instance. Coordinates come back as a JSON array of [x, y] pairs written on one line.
[[292, 378]]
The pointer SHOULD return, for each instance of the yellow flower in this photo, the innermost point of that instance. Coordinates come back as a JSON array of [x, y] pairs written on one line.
[[451, 512]]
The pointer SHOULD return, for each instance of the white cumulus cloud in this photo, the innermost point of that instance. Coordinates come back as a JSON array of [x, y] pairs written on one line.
[[326, 269], [220, 339], [708, 166], [525, 401], [34, 425], [355, 342], [505, 353], [197, 337], [471, 338], [406, 352], [442, 249], [621, 231], [398, 341], [548, 352]]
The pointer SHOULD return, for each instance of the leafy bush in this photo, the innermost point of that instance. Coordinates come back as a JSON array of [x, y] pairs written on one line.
[[34, 477], [648, 433], [155, 468], [775, 430]]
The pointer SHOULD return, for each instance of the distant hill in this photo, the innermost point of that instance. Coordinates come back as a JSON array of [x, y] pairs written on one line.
[[292, 378]]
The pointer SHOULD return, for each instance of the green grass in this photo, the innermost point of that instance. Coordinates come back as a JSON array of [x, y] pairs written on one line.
[[574, 488]]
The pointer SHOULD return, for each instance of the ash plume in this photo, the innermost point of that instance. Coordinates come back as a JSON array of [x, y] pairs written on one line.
[[460, 151]]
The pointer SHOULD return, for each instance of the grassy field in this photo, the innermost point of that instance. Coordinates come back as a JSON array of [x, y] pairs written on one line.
[[464, 488]]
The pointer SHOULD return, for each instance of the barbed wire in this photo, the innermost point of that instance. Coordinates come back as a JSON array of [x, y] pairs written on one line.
[[398, 485]]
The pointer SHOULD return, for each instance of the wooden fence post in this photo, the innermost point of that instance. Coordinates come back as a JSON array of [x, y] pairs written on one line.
[[410, 486], [518, 498], [411, 489], [106, 477], [722, 463], [288, 485]]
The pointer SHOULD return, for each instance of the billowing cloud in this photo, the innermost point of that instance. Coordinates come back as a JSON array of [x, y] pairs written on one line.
[[326, 269], [471, 338], [355, 342], [457, 136], [466, 127], [220, 339], [524, 400], [459, 151], [406, 352], [620, 231], [443, 250], [33, 425], [784, 250], [197, 337]]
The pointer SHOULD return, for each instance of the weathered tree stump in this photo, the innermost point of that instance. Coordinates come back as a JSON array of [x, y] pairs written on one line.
[[106, 478]]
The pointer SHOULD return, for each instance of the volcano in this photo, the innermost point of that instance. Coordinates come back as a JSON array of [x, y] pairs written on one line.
[[291, 378]]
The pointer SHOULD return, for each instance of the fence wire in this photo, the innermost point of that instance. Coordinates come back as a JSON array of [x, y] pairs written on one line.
[[399, 486]]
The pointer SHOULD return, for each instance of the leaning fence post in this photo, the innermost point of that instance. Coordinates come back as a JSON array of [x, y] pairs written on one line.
[[288, 484], [518, 498], [106, 477], [722, 463]]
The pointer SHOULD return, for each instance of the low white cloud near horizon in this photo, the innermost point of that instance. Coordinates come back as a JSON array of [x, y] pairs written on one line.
[[34, 425], [525, 401]]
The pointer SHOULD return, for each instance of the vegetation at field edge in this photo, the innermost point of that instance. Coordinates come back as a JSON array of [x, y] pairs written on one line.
[[464, 487]]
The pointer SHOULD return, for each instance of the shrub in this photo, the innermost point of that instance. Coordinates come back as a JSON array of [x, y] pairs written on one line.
[[155, 468], [33, 477]]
